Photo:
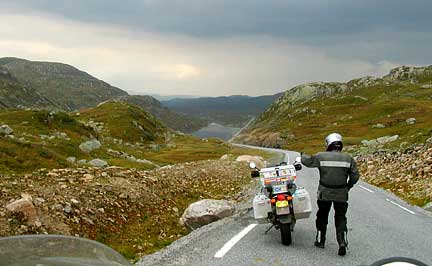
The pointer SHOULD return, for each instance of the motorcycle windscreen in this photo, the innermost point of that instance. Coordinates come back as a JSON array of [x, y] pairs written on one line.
[[55, 250]]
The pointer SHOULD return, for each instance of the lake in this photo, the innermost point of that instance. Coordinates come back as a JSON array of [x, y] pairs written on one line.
[[215, 130]]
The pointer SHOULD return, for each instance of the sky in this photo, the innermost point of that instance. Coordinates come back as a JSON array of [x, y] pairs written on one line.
[[219, 47]]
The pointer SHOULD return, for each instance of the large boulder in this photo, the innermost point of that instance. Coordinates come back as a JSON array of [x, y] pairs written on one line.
[[258, 160], [25, 209], [90, 145], [204, 212], [5, 130]]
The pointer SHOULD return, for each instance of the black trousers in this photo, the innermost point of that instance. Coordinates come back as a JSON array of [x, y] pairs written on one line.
[[340, 216]]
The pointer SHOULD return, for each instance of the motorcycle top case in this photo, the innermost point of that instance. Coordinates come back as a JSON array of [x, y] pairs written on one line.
[[277, 176], [302, 204]]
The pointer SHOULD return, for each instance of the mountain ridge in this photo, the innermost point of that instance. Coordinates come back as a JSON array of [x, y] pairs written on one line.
[[303, 115], [62, 87]]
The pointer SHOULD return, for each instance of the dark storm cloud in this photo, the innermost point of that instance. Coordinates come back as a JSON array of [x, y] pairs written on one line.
[[215, 47], [282, 18]]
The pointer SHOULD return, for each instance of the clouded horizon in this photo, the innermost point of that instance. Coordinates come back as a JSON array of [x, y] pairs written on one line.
[[212, 48]]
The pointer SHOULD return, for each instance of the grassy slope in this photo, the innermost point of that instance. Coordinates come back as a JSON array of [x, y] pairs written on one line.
[[32, 152], [353, 114]]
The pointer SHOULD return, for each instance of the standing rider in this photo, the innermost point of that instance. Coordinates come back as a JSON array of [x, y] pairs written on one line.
[[338, 174]]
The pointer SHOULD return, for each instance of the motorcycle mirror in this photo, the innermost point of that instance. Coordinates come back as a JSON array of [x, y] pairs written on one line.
[[252, 165], [298, 159], [398, 261]]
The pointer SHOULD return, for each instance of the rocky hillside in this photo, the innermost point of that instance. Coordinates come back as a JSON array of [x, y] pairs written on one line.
[[14, 95], [407, 173], [177, 121], [63, 84], [233, 111], [395, 107], [135, 212]]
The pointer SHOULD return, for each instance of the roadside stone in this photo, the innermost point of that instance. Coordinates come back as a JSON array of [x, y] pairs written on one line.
[[258, 160], [24, 207], [204, 212], [6, 130], [98, 163], [90, 145]]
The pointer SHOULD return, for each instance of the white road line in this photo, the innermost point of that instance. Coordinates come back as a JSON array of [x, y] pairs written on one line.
[[365, 188], [228, 245], [400, 206]]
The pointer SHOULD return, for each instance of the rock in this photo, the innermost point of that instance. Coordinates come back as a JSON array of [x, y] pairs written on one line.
[[68, 209], [74, 201], [258, 160], [56, 207], [387, 139], [98, 163], [24, 207], [5, 130], [411, 121], [90, 145], [71, 159], [426, 86], [378, 126], [87, 177], [369, 143], [224, 157], [428, 207], [204, 212], [83, 161]]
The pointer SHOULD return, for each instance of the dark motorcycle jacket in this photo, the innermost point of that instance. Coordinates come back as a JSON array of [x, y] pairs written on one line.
[[338, 174]]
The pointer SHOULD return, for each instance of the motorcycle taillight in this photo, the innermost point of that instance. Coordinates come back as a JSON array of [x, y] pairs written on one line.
[[280, 197]]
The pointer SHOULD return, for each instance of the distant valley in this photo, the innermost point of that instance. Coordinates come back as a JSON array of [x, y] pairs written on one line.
[[230, 111]]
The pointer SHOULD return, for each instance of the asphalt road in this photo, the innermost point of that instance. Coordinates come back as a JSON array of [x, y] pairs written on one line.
[[380, 225]]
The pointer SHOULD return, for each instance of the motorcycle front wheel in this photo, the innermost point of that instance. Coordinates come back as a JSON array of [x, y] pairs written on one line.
[[286, 234]]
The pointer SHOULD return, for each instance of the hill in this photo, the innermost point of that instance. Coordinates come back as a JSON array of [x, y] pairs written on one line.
[[70, 88], [233, 111], [15, 95], [176, 121], [56, 86], [395, 107]]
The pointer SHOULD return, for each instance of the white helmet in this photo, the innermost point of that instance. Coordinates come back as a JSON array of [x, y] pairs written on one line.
[[332, 138]]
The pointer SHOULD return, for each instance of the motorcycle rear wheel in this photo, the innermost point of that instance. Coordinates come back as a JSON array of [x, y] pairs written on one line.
[[286, 234]]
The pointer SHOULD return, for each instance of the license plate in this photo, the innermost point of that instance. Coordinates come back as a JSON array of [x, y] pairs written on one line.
[[281, 204], [282, 211]]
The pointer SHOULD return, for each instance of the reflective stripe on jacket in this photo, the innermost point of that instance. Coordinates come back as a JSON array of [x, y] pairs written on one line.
[[338, 173]]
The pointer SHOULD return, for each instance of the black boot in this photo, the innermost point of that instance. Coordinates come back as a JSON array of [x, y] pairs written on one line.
[[343, 243], [320, 239]]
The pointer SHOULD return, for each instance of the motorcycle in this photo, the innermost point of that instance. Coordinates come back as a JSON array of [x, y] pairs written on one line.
[[280, 202]]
